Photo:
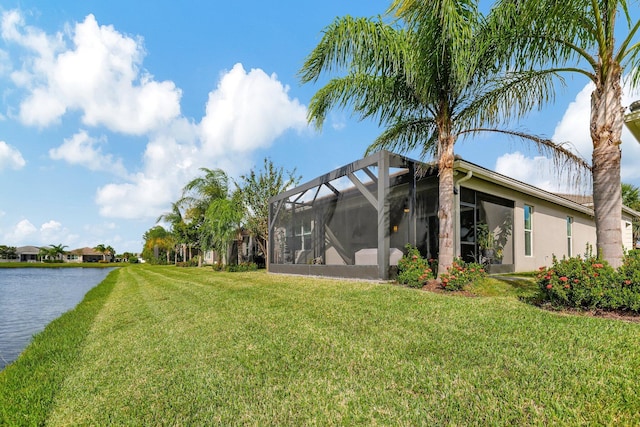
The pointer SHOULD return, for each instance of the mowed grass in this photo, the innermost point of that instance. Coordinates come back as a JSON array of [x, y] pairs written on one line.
[[185, 346]]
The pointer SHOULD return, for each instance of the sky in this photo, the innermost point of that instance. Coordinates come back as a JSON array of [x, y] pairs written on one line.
[[109, 107]]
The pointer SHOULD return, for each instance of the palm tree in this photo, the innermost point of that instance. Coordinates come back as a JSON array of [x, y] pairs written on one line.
[[197, 196], [56, 251], [222, 226], [427, 83], [111, 252], [175, 219], [579, 37], [102, 249]]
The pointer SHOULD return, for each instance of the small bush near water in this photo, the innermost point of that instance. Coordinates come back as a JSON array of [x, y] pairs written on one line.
[[589, 282]]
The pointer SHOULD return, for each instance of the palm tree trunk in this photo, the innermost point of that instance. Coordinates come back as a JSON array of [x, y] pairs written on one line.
[[606, 129], [445, 209]]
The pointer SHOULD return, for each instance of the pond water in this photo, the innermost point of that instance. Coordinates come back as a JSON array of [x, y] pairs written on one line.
[[30, 298]]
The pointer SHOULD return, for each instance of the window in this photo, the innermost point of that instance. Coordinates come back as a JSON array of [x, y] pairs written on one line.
[[528, 230], [569, 236], [303, 233]]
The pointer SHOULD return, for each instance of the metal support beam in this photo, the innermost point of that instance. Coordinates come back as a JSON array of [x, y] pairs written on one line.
[[384, 238]]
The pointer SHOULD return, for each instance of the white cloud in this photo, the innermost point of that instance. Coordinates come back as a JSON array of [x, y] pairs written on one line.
[[574, 125], [20, 233], [10, 157], [81, 149], [573, 128], [25, 233], [534, 171], [99, 75], [97, 71], [246, 112]]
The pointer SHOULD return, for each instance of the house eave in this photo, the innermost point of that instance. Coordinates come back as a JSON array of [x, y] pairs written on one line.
[[496, 178]]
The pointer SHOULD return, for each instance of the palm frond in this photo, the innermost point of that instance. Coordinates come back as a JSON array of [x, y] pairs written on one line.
[[358, 45], [407, 135]]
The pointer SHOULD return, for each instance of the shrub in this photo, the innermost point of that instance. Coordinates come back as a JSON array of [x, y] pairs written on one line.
[[243, 266], [589, 282], [461, 274], [413, 270], [193, 262]]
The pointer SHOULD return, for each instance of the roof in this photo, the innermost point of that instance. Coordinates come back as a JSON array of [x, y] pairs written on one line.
[[85, 251], [28, 250], [584, 200], [580, 203], [577, 202]]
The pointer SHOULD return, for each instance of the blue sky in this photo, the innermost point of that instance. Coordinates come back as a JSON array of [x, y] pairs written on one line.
[[109, 108]]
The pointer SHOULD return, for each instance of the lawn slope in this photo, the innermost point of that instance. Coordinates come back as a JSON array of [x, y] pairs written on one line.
[[193, 347]]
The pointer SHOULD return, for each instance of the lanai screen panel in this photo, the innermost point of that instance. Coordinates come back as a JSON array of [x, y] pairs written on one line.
[[327, 224], [341, 220]]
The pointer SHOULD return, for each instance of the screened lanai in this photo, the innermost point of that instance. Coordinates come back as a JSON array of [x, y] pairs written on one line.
[[355, 221]]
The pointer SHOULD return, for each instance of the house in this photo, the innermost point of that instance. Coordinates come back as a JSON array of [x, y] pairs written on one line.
[[86, 255], [28, 253], [244, 249], [355, 221]]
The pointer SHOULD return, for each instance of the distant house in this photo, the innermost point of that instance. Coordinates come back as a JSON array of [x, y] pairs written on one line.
[[86, 255], [28, 253], [244, 249], [355, 221]]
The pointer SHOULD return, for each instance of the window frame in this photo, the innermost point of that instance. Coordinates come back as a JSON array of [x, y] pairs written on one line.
[[569, 236], [528, 230]]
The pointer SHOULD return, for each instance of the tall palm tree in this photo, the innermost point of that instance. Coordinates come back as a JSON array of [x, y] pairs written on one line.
[[198, 193], [428, 78], [222, 226], [56, 251], [579, 37], [104, 250], [178, 227], [208, 209], [197, 196]]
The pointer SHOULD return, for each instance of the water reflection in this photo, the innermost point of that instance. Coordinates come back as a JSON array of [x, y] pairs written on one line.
[[30, 298]]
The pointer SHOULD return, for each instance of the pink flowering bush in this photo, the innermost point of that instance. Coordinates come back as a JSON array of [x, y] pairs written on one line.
[[413, 270], [589, 282], [461, 274]]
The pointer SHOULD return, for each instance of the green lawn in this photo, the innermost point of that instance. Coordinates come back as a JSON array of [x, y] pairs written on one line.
[[185, 346]]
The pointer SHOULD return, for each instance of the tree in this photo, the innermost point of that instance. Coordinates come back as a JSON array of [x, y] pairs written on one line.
[[105, 250], [256, 189], [8, 252], [197, 196], [428, 78], [579, 37], [57, 251], [223, 225], [102, 249], [179, 228], [631, 198], [158, 243], [110, 251], [53, 252]]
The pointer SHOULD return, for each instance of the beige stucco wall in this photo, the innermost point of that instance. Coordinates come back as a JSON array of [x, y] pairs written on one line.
[[549, 227]]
